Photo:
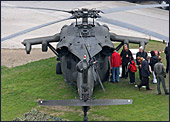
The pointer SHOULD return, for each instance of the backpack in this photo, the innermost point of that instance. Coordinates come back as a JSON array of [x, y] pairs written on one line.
[[133, 67]]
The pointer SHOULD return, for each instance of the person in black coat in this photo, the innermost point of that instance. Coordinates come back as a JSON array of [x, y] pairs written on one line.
[[125, 54], [145, 72], [143, 54], [153, 61], [166, 51]]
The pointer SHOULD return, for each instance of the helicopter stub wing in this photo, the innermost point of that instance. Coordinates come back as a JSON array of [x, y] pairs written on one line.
[[41, 40], [77, 102], [127, 40]]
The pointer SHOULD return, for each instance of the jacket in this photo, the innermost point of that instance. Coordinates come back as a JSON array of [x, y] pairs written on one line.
[[145, 69], [125, 60], [159, 69], [139, 54], [153, 61], [166, 51], [116, 60], [132, 66]]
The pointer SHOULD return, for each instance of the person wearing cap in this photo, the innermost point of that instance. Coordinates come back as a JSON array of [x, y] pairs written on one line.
[[166, 51], [160, 74], [125, 54], [145, 73], [115, 63], [143, 54]]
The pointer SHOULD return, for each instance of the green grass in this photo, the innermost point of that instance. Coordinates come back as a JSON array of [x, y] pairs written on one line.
[[23, 86]]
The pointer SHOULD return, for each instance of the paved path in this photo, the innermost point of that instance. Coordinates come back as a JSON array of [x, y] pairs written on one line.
[[14, 20]]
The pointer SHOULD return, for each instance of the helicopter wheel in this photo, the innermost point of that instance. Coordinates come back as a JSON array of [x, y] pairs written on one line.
[[58, 68]]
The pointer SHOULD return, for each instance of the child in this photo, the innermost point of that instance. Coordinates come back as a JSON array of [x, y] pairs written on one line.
[[132, 69]]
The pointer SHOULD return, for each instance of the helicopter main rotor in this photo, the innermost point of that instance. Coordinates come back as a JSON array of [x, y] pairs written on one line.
[[85, 13]]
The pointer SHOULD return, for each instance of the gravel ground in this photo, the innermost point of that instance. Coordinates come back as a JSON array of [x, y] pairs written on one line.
[[15, 57]]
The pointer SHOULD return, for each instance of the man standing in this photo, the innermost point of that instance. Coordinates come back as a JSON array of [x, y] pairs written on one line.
[[145, 73], [125, 54], [166, 51], [115, 63], [153, 61], [160, 74], [143, 54]]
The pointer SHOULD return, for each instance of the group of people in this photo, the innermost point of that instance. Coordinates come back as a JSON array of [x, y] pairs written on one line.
[[146, 65]]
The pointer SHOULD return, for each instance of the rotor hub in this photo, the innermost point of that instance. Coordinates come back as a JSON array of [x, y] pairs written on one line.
[[85, 13]]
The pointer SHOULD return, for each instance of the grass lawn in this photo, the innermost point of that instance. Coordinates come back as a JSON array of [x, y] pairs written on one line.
[[23, 86]]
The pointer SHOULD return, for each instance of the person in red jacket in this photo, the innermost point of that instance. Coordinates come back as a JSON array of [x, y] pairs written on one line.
[[132, 69], [115, 63]]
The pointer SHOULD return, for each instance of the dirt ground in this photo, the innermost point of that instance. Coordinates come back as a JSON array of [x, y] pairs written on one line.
[[15, 57]]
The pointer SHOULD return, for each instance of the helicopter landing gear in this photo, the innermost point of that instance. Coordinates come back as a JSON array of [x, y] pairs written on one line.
[[58, 68], [85, 109]]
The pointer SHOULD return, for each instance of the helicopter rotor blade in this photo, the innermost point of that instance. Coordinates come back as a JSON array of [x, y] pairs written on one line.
[[133, 27], [34, 28], [24, 7], [119, 9]]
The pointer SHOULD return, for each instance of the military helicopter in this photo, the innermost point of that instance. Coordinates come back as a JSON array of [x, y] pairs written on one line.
[[83, 49]]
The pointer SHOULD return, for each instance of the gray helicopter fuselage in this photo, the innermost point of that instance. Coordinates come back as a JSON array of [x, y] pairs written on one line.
[[77, 41]]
